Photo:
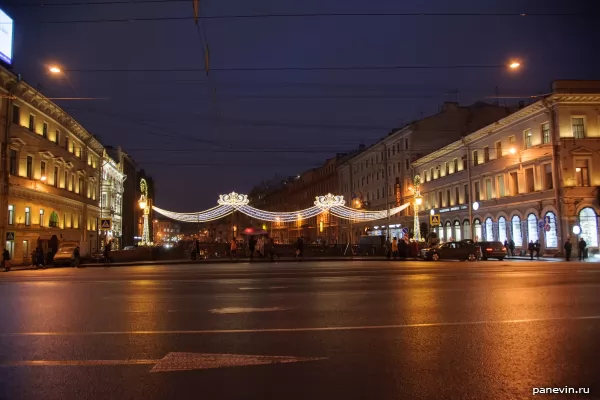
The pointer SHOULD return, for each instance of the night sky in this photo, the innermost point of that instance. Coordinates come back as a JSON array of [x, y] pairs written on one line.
[[196, 147]]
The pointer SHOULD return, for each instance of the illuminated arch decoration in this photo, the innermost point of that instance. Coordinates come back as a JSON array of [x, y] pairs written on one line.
[[229, 203]]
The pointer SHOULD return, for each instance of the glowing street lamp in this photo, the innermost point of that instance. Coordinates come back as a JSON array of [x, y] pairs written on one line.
[[418, 202], [514, 65], [512, 150], [43, 178], [54, 69]]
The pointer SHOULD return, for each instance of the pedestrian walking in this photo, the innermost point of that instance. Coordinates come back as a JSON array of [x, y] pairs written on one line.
[[507, 248], [531, 248], [260, 246], [76, 257], [299, 247], [252, 247], [39, 255], [107, 250], [511, 246], [582, 245], [6, 260], [568, 247], [232, 249], [538, 247], [394, 248], [271, 248]]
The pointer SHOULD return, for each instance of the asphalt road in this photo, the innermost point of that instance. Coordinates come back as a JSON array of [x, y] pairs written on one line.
[[335, 330]]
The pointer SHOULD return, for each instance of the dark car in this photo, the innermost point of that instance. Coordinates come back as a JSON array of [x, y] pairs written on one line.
[[451, 251], [489, 249]]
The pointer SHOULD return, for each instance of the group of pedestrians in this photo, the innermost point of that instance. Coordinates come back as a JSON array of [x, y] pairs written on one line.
[[581, 246], [261, 246], [400, 248]]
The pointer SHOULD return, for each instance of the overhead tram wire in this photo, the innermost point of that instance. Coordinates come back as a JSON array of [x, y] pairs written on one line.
[[270, 69], [283, 15]]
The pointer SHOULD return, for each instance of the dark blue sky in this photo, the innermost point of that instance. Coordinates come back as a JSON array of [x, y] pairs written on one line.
[[167, 120]]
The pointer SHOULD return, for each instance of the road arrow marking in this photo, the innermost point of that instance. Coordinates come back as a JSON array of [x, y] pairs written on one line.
[[176, 361], [239, 310], [196, 361]]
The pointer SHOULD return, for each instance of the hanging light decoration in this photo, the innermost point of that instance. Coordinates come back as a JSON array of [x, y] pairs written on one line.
[[229, 203]]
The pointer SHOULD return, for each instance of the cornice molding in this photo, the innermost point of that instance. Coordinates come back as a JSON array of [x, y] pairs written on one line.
[[22, 91], [34, 195]]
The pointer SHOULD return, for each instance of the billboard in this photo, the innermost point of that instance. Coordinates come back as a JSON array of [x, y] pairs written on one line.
[[6, 38]]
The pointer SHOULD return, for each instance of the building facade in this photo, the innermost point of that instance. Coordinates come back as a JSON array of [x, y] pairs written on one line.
[[381, 176], [50, 175], [111, 200], [527, 177], [298, 193], [129, 209], [166, 231]]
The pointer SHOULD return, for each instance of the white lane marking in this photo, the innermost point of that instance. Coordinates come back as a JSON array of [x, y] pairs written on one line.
[[307, 329], [240, 310], [179, 361], [75, 363], [263, 288]]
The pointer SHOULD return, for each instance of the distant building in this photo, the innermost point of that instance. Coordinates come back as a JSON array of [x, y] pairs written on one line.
[[381, 176], [531, 174], [111, 200], [166, 231], [130, 206]]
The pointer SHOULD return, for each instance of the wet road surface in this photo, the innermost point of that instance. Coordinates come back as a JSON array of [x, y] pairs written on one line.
[[334, 330]]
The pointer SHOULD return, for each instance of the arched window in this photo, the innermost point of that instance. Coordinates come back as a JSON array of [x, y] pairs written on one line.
[[448, 231], [551, 236], [467, 229], [53, 220], [588, 222], [532, 228], [502, 236], [517, 235], [489, 230], [457, 235], [477, 229]]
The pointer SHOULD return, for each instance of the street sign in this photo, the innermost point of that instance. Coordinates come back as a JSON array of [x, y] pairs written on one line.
[[10, 236], [106, 224], [541, 224], [404, 231], [547, 228], [435, 220]]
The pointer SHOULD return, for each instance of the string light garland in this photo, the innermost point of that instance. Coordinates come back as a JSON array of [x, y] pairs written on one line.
[[229, 203]]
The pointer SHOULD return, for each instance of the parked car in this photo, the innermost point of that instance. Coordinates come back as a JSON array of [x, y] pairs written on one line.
[[64, 255], [451, 251], [489, 249]]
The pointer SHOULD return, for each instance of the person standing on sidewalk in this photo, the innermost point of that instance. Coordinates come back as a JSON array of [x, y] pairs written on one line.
[[538, 247], [511, 246], [531, 248], [582, 245], [568, 248], [76, 257], [394, 248], [6, 260]]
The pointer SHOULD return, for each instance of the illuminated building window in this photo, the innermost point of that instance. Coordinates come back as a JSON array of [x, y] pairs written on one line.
[[517, 234]]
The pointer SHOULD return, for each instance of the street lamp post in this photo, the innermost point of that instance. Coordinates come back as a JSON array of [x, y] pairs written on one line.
[[143, 202], [418, 202]]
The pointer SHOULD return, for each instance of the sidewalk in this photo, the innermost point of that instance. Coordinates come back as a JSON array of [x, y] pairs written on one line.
[[282, 260]]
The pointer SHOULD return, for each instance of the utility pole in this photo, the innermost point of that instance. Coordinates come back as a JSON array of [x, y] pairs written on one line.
[[351, 192]]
